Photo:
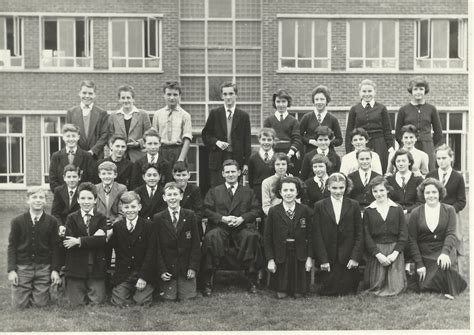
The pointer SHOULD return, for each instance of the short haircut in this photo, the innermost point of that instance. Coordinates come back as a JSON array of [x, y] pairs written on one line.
[[35, 189], [360, 132], [229, 84], [148, 166], [69, 127], [107, 166], [88, 83], [323, 131], [321, 89], [269, 132], [129, 196], [281, 94], [409, 128], [321, 159], [401, 152], [280, 156], [87, 186], [73, 168], [418, 81], [445, 147], [358, 152], [172, 85], [294, 180], [172, 185], [180, 166], [420, 190], [367, 82], [380, 180], [115, 138], [126, 88], [229, 162], [338, 177], [151, 132]]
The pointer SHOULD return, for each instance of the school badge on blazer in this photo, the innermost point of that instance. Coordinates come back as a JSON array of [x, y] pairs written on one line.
[[303, 222], [188, 235]]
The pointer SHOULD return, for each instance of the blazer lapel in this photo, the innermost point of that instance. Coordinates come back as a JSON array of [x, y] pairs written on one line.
[[64, 157], [181, 222], [235, 120], [284, 217], [137, 230], [235, 199], [94, 116], [120, 121], [101, 194], [169, 223], [133, 123], [78, 158], [330, 210], [78, 119], [113, 194], [223, 119], [65, 195]]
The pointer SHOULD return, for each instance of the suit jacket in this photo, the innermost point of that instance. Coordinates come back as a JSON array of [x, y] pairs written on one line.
[[111, 212], [82, 159], [124, 170], [61, 208], [134, 251], [277, 229], [359, 192], [98, 129], [337, 242], [218, 203], [150, 206], [178, 250], [77, 257], [164, 166], [216, 130], [192, 199], [139, 124], [455, 189]]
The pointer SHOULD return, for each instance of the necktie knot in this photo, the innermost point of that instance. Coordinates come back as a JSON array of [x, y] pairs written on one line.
[[71, 193], [321, 183], [107, 190], [266, 157], [367, 107], [229, 114], [35, 220], [230, 190], [281, 117], [130, 226], [290, 213], [175, 218], [152, 192], [87, 219]]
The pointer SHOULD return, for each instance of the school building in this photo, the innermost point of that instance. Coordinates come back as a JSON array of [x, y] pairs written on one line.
[[48, 47]]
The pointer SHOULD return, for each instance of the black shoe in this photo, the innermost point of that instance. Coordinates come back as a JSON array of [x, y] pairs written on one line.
[[207, 292], [253, 288]]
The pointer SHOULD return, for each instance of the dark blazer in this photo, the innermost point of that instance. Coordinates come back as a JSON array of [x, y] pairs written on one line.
[[359, 192], [134, 251], [124, 170], [164, 167], [337, 242], [408, 197], [192, 199], [82, 159], [177, 250], [308, 126], [277, 227], [218, 203], [60, 208], [313, 193], [150, 206], [77, 257], [455, 189], [98, 129], [216, 130], [307, 167]]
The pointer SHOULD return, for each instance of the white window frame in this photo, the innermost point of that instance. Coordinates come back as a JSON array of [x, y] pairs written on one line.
[[9, 136], [364, 59], [45, 149], [18, 44], [462, 45], [158, 41], [55, 60], [296, 58]]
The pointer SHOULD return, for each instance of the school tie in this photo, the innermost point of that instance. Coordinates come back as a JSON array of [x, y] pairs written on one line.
[[444, 178], [281, 117], [290, 213], [403, 183], [229, 117], [107, 189], [229, 190], [153, 159], [152, 192], [87, 221], [71, 194], [266, 157], [321, 184], [175, 219], [70, 156], [35, 220], [320, 119], [366, 179], [367, 107]]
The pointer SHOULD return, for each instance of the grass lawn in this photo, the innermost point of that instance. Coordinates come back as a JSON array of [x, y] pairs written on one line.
[[231, 308]]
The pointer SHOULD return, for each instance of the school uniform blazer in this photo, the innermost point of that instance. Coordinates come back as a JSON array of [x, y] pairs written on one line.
[[455, 189], [150, 206], [138, 125], [178, 250], [82, 159], [216, 130], [334, 242], [308, 126], [124, 170], [408, 197], [61, 208], [111, 211], [276, 233], [307, 167], [77, 257], [134, 251], [218, 203], [164, 167], [98, 129], [192, 199], [359, 192]]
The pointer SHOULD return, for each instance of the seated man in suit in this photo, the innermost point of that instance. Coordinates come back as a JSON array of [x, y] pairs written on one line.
[[91, 120], [231, 209]]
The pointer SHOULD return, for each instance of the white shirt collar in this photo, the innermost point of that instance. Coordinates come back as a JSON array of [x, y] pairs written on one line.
[[372, 103], [323, 114], [227, 109], [234, 187], [390, 203], [33, 216], [277, 114], [154, 189], [83, 213], [320, 151], [398, 177], [133, 222], [286, 208], [129, 115], [174, 210], [71, 189], [262, 152], [325, 177], [362, 173], [74, 150], [148, 156], [88, 108], [442, 172]]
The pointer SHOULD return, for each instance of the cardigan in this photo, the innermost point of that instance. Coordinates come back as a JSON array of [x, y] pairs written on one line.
[[424, 119], [287, 131], [308, 126]]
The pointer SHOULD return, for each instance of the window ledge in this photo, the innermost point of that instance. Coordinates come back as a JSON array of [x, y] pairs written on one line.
[[82, 70], [13, 187], [303, 70]]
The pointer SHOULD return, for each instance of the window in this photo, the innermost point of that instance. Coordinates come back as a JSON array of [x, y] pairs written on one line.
[[373, 44], [66, 43], [441, 44], [305, 44], [12, 150], [51, 141], [135, 43], [454, 126], [11, 42]]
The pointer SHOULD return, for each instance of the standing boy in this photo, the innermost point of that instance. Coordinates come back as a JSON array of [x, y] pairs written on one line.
[[33, 253], [173, 124], [151, 192], [91, 120], [178, 250], [65, 196], [118, 148]]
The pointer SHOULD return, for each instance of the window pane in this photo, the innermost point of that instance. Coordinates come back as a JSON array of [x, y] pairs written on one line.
[[195, 89], [288, 63], [220, 8], [372, 33], [440, 43], [220, 33], [355, 38], [424, 37], [443, 116], [199, 115], [16, 125], [248, 9], [214, 87], [192, 33], [220, 61], [50, 125], [135, 38], [118, 39], [453, 39], [50, 35], [191, 8], [16, 149], [249, 88], [288, 38], [3, 125], [306, 63], [10, 35], [192, 61], [455, 121], [248, 61], [80, 39], [3, 42], [152, 37], [454, 141], [3, 155], [304, 38], [320, 38], [247, 34], [66, 38], [388, 38]]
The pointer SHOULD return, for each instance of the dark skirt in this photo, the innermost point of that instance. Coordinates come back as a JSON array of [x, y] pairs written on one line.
[[443, 281], [339, 281], [378, 145]]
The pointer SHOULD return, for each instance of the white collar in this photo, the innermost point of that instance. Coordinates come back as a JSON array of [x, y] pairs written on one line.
[[286, 208], [278, 114], [323, 114], [35, 216], [174, 210], [389, 202], [133, 222], [231, 108], [234, 187], [320, 151], [149, 188], [71, 189], [317, 179], [148, 156], [371, 103], [362, 172], [442, 172], [262, 153], [83, 106], [91, 213], [134, 110], [336, 200], [74, 150]]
